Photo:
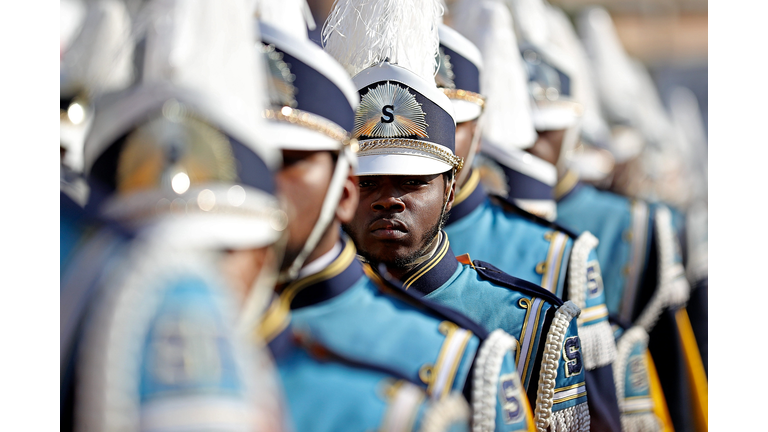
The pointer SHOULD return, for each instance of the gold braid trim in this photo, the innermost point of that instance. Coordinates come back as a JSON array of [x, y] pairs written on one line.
[[313, 122], [465, 95], [374, 146]]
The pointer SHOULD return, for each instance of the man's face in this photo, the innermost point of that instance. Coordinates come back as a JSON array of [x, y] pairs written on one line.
[[464, 133], [398, 217], [303, 182], [548, 145]]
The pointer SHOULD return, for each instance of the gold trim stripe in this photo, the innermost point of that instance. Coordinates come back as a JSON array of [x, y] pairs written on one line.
[[554, 260], [566, 184], [433, 262], [471, 184], [310, 121], [276, 318], [465, 95], [374, 146], [451, 331], [593, 313], [695, 370], [526, 335], [570, 387]]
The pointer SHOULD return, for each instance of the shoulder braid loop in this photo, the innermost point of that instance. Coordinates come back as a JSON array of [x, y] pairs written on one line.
[[598, 345], [577, 268], [485, 379], [673, 289], [546, 389]]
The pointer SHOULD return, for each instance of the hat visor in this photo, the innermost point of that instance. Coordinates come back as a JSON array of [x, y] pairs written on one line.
[[293, 137], [560, 116], [465, 111], [213, 231], [400, 163]]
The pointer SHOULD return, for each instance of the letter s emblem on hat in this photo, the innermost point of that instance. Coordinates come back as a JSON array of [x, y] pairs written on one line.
[[389, 111]]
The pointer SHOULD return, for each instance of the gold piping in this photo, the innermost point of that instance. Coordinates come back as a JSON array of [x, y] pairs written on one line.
[[436, 259], [310, 121], [374, 146], [468, 188], [465, 95]]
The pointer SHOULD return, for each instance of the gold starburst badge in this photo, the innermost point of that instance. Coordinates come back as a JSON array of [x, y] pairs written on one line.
[[390, 111]]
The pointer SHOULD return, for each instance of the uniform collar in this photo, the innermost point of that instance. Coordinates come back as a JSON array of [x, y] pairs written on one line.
[[470, 197], [433, 272], [566, 185], [343, 272], [335, 278]]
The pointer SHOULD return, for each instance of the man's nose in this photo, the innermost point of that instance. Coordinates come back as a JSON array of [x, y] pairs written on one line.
[[388, 202]]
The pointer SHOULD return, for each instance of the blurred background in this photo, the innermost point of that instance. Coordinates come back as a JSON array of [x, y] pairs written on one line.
[[668, 36]]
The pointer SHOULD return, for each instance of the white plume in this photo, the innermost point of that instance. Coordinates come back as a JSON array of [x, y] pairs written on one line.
[[488, 24], [614, 77], [96, 57], [531, 20], [362, 33], [583, 88], [291, 16]]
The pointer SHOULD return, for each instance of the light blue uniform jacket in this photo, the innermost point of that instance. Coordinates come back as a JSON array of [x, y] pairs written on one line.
[[373, 323]]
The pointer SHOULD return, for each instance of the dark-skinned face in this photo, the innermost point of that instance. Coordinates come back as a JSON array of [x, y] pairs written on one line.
[[548, 145], [302, 182], [465, 131], [398, 217]]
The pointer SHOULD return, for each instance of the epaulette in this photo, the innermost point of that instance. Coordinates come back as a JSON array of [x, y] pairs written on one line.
[[513, 208], [489, 272], [393, 287]]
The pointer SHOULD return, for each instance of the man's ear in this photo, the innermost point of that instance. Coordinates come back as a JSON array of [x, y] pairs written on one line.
[[347, 208], [452, 195]]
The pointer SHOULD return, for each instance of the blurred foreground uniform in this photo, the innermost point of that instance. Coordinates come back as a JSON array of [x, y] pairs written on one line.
[[406, 127], [332, 302], [149, 320], [532, 249]]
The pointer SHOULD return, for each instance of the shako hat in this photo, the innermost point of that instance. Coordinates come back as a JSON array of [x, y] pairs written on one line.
[[404, 125], [312, 100], [458, 75], [184, 142]]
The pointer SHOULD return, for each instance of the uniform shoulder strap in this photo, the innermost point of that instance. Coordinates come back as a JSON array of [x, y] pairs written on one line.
[[491, 273], [513, 208], [393, 287]]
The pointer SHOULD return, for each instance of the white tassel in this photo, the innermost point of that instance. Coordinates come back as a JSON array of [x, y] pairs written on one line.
[[360, 34], [598, 345], [573, 419]]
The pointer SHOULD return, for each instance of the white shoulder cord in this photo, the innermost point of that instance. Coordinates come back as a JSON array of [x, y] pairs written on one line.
[[485, 379], [598, 346], [544, 418]]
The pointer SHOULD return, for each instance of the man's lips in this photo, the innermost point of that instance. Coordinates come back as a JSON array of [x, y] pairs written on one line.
[[388, 229]]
